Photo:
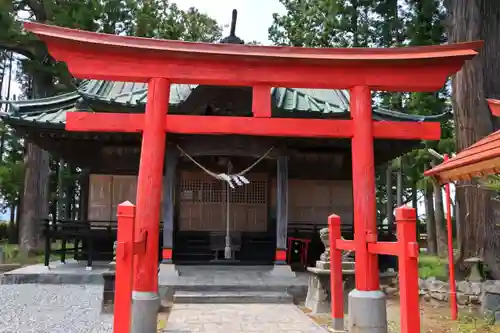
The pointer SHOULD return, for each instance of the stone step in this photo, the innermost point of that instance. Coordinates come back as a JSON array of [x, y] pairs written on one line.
[[214, 288], [232, 297]]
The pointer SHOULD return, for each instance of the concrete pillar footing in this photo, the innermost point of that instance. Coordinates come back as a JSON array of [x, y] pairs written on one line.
[[145, 306], [338, 325], [367, 312]]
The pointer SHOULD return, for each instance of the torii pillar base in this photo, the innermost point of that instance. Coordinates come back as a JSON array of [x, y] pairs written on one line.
[[367, 312], [145, 307]]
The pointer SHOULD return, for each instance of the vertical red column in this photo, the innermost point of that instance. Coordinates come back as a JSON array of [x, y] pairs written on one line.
[[124, 277], [363, 184], [406, 219], [149, 184], [336, 282]]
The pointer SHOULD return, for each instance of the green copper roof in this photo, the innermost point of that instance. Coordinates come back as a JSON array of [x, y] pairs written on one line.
[[311, 100], [129, 93], [94, 95]]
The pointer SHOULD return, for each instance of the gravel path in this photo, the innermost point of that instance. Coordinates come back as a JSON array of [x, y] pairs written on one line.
[[38, 308]]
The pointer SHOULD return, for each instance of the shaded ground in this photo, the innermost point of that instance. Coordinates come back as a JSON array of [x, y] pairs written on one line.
[[435, 318]]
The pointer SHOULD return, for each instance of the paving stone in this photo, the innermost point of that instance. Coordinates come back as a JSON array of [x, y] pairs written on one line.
[[263, 318]]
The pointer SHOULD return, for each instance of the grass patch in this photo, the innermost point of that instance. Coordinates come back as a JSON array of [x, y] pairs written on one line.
[[472, 324], [13, 255], [432, 266]]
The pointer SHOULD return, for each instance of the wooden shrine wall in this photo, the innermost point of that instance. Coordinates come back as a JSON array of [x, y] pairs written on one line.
[[203, 206], [107, 192], [312, 201]]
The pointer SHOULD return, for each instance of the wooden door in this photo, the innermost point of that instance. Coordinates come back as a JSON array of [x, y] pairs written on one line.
[[204, 204], [100, 198]]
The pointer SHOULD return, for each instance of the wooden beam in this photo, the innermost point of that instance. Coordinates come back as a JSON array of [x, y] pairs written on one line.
[[104, 122], [261, 101], [220, 125]]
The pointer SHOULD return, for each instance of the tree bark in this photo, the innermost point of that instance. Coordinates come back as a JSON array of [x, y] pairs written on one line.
[[390, 202], [12, 225], [430, 222], [441, 235], [34, 206], [36, 183], [479, 79], [399, 184]]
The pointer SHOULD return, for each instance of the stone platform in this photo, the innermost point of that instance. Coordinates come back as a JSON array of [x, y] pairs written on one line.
[[210, 278], [72, 272], [223, 283]]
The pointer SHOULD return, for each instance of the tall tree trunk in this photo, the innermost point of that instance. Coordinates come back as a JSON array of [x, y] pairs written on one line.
[[479, 79], [34, 206], [441, 235], [414, 197], [459, 215], [399, 183], [12, 225], [60, 190], [36, 182], [390, 202], [430, 222], [414, 204]]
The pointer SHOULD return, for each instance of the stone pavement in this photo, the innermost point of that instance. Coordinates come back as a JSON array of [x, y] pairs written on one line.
[[235, 318]]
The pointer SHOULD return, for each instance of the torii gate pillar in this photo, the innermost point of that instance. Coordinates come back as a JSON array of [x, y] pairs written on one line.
[[145, 300], [367, 306]]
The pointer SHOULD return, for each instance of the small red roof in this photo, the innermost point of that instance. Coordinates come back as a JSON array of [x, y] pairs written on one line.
[[494, 106], [478, 160]]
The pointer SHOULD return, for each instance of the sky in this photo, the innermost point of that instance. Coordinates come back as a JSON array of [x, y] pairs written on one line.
[[254, 16]]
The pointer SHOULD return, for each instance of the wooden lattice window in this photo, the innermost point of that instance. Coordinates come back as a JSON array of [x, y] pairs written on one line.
[[253, 193], [203, 191], [214, 191]]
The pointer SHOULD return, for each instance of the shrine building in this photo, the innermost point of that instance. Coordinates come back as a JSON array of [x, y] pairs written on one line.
[[285, 183]]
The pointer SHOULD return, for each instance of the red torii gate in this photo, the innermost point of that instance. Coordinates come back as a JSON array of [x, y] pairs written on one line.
[[161, 62]]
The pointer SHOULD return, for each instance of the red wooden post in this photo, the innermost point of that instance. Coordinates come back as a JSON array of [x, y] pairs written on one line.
[[124, 268], [149, 187], [336, 281], [451, 262], [363, 184], [149, 184], [406, 219]]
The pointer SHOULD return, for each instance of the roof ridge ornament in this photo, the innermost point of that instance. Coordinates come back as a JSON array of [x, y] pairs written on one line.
[[232, 38]]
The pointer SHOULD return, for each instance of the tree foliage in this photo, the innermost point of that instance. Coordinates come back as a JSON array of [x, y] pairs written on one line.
[[39, 75]]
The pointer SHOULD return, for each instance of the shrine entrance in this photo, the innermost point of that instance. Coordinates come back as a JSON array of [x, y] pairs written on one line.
[[204, 204], [209, 210]]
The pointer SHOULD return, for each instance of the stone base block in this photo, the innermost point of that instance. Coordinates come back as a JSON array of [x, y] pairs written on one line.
[[145, 306], [108, 292], [367, 312], [168, 270], [283, 271], [322, 264], [318, 294]]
